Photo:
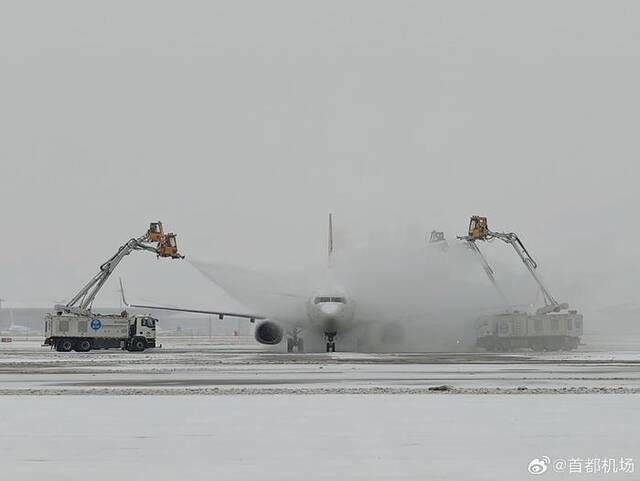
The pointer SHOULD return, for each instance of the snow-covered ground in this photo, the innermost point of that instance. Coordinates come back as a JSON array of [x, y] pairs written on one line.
[[371, 416], [324, 437]]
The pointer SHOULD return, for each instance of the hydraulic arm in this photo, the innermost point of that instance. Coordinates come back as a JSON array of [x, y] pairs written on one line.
[[489, 271], [479, 230], [437, 238], [155, 240]]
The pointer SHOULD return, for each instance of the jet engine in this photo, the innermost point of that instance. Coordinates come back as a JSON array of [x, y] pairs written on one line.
[[268, 332]]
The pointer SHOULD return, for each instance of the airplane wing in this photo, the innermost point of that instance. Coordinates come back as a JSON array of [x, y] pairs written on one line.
[[220, 314]]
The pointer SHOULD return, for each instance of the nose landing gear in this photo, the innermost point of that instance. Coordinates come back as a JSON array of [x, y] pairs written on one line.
[[331, 345]]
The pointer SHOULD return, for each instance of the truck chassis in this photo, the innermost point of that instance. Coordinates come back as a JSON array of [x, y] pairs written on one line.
[[85, 333]]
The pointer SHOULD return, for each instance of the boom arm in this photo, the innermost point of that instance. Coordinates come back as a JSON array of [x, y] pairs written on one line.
[[488, 270], [438, 238], [153, 241], [479, 230], [528, 261]]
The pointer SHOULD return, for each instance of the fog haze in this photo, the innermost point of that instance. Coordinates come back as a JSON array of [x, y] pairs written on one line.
[[242, 124]]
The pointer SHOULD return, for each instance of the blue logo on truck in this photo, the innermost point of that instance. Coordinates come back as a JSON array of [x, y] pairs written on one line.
[[96, 324]]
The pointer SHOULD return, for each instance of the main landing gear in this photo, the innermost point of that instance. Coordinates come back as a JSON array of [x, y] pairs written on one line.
[[331, 345], [295, 341]]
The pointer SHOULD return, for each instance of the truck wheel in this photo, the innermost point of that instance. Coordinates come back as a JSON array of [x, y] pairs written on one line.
[[138, 344], [84, 345], [64, 345]]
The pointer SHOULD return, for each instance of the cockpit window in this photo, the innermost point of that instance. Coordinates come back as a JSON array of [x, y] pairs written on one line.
[[340, 300]]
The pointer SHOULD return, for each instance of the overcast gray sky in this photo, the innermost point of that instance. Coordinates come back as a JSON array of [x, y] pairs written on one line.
[[241, 124]]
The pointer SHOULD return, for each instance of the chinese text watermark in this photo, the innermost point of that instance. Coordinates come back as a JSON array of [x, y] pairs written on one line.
[[604, 465]]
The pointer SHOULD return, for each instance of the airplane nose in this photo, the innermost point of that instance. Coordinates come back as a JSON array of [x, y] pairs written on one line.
[[330, 309]]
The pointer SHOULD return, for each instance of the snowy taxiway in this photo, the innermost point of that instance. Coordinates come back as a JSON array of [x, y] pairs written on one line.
[[184, 367]]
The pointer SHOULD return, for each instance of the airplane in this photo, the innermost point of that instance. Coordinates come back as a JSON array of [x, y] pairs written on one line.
[[329, 310]]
